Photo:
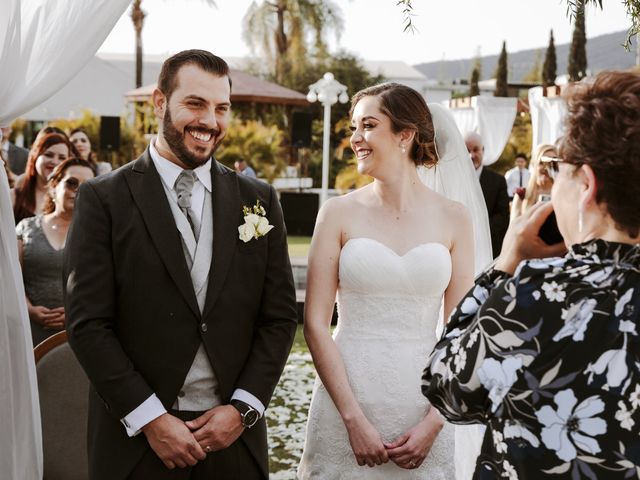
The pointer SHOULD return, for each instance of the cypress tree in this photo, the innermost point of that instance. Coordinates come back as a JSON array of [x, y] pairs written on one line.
[[550, 65], [474, 89], [501, 73], [577, 68]]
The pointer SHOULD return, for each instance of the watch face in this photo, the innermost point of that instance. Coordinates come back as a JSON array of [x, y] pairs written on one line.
[[250, 418]]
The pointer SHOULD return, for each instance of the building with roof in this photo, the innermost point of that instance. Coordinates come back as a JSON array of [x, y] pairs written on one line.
[[107, 82]]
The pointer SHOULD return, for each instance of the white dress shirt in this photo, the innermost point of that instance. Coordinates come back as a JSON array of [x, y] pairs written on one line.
[[516, 178], [152, 408]]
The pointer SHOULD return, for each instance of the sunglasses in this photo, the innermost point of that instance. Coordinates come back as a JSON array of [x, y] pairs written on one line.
[[551, 165], [72, 184]]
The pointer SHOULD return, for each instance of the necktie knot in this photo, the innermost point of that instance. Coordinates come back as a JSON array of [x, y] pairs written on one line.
[[184, 187]]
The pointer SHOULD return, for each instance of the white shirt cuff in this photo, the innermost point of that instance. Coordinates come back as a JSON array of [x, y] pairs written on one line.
[[146, 412], [246, 397]]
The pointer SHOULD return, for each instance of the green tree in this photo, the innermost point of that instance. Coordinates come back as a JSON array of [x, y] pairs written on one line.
[[474, 88], [502, 73], [633, 12], [550, 66], [288, 32], [535, 74], [260, 145], [577, 67]]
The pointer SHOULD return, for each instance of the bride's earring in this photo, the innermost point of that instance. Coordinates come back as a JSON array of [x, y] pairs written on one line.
[[403, 149]]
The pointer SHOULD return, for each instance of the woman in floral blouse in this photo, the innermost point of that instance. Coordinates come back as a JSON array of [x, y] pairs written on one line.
[[546, 352]]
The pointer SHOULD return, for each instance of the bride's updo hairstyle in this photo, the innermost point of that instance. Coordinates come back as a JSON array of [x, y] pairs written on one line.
[[407, 110]]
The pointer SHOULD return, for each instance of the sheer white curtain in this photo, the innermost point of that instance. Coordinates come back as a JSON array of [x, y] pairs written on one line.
[[492, 118], [547, 117], [43, 43]]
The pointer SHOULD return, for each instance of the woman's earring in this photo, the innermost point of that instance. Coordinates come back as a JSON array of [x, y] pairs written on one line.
[[403, 148], [580, 219]]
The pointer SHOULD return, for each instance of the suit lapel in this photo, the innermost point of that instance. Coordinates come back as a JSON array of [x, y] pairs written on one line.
[[227, 210], [149, 195]]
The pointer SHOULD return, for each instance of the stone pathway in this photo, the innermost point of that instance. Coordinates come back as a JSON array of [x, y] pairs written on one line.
[[287, 415]]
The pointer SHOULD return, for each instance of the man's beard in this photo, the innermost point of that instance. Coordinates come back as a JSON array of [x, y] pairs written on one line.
[[175, 141]]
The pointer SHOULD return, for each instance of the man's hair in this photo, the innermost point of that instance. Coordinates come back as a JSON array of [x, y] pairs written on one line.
[[520, 155], [207, 61]]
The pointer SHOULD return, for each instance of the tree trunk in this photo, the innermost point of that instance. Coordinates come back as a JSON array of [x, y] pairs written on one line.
[[137, 17], [281, 43]]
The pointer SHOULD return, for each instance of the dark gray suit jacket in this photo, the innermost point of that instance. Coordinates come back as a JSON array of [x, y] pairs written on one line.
[[17, 160], [494, 189], [132, 316]]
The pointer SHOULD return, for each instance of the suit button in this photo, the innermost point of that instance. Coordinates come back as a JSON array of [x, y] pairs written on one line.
[[181, 394], [204, 328]]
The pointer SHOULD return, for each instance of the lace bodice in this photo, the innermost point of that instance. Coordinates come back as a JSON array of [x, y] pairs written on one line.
[[385, 295]]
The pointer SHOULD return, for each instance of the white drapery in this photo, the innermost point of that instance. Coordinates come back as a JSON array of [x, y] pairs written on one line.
[[547, 117], [43, 43], [492, 118]]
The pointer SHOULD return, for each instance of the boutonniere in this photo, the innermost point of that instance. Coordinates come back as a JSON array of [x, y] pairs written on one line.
[[255, 224]]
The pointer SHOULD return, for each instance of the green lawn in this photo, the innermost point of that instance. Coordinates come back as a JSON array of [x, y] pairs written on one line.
[[299, 246]]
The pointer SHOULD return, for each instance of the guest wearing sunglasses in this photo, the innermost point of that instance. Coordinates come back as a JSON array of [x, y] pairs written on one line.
[[545, 350], [540, 183], [41, 241]]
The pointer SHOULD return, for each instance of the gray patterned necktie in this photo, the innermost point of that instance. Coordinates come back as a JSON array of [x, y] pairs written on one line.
[[184, 187]]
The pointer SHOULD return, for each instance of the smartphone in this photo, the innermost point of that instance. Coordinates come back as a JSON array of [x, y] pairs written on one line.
[[549, 232]]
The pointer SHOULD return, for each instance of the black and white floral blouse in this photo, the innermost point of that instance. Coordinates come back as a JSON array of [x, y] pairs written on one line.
[[549, 360]]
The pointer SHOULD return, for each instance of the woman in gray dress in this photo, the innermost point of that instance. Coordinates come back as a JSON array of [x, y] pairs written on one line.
[[41, 241]]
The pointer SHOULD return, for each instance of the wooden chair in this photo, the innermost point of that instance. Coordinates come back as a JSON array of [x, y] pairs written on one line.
[[64, 396]]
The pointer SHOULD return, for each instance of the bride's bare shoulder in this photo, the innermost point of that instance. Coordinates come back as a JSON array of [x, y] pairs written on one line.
[[347, 202], [451, 211]]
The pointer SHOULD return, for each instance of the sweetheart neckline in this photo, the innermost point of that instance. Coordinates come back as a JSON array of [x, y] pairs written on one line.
[[420, 245]]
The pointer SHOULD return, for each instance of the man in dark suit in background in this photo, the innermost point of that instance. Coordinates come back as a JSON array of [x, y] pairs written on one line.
[[16, 157], [494, 189], [182, 320]]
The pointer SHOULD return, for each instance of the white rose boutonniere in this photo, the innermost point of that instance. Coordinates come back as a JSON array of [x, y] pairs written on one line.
[[255, 224]]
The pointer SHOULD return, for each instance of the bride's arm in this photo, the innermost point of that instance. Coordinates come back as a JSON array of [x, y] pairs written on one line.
[[322, 284], [462, 259]]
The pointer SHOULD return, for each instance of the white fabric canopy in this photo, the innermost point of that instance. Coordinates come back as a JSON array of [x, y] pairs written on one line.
[[43, 43], [492, 118], [547, 117]]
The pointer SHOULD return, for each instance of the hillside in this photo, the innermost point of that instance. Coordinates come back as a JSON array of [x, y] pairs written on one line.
[[603, 52]]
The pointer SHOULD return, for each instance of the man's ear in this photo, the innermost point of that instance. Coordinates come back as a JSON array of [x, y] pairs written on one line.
[[159, 102]]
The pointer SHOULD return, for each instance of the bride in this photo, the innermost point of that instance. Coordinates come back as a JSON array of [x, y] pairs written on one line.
[[394, 251]]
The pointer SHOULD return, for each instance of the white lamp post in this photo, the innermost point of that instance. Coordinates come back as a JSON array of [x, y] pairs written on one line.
[[327, 91]]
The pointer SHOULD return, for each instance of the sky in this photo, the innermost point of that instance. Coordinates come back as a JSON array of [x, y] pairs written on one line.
[[446, 29]]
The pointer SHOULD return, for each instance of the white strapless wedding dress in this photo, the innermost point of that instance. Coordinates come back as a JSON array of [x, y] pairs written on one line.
[[388, 310]]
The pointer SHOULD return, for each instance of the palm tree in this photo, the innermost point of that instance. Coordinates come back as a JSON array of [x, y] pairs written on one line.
[[282, 29], [137, 17]]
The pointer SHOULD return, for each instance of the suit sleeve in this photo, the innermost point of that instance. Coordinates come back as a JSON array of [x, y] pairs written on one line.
[[499, 217], [91, 310], [277, 321]]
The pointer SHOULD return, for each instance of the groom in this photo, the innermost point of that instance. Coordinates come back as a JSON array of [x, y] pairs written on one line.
[[182, 327]]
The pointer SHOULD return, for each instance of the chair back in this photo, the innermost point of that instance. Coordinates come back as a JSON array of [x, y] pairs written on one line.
[[64, 400]]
